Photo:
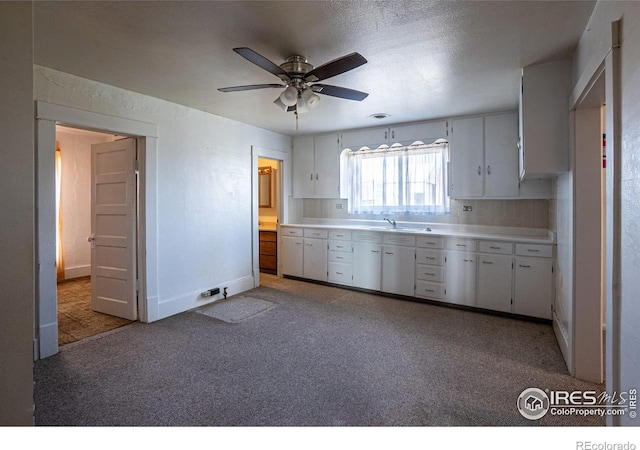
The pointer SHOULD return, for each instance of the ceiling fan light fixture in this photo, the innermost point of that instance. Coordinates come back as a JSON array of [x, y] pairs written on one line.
[[289, 96], [301, 106], [310, 98], [279, 103]]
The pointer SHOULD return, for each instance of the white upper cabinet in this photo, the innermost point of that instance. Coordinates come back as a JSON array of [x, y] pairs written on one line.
[[544, 119], [466, 156], [484, 157], [316, 166], [399, 134], [501, 155]]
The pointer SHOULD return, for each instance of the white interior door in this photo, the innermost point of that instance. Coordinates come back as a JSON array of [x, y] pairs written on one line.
[[113, 231]]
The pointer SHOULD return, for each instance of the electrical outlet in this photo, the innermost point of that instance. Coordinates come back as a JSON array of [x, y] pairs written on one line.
[[339, 206], [467, 208]]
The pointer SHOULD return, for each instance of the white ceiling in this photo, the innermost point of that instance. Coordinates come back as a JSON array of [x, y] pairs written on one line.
[[426, 59]]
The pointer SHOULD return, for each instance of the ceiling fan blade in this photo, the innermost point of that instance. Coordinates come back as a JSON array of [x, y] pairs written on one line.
[[335, 67], [336, 91], [260, 61], [250, 87]]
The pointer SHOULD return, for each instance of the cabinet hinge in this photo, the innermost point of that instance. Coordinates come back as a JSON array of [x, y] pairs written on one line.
[[512, 301], [447, 126], [552, 271]]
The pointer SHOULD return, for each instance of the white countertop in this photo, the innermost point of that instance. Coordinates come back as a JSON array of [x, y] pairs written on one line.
[[525, 235]]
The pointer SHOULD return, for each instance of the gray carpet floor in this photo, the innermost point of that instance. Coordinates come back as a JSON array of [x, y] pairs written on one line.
[[322, 356]]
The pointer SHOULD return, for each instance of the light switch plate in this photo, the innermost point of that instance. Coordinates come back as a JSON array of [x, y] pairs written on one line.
[[466, 208]]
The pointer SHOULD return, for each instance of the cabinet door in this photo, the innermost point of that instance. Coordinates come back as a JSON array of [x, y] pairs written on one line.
[[460, 278], [398, 270], [367, 265], [495, 275], [426, 132], [303, 167], [327, 166], [533, 287], [467, 160], [292, 250], [315, 259], [371, 137], [501, 155]]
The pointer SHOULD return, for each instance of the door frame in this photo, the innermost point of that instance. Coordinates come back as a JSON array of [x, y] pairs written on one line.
[[607, 65], [284, 192], [47, 116]]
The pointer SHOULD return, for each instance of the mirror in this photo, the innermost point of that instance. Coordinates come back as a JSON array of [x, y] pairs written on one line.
[[264, 187]]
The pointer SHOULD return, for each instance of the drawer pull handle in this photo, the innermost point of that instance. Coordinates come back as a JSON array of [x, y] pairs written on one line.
[[431, 274], [468, 260], [495, 248], [339, 273], [388, 253], [339, 257], [375, 251], [524, 266], [339, 246], [487, 262], [429, 290], [461, 245], [431, 243], [429, 257], [533, 250], [339, 235]]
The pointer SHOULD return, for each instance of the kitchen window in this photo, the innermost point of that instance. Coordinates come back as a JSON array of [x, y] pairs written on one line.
[[398, 179]]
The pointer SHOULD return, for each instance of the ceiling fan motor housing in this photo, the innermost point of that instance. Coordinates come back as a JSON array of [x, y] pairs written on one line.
[[296, 65]]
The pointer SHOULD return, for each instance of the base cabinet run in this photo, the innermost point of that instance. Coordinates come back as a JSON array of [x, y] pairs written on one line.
[[493, 275]]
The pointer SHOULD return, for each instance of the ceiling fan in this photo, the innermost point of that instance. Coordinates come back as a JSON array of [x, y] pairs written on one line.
[[299, 79]]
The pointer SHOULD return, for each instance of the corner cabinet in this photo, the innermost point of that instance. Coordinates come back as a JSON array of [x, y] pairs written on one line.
[[544, 120], [316, 166], [484, 157]]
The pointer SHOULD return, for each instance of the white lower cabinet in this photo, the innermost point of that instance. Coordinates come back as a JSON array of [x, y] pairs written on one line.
[[291, 251], [314, 263], [495, 279], [460, 278], [533, 286], [398, 265], [492, 275], [367, 265]]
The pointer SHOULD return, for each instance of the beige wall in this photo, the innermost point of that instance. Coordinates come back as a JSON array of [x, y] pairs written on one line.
[[17, 221]]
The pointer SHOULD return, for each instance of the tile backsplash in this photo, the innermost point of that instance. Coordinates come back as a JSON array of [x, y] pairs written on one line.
[[511, 213]]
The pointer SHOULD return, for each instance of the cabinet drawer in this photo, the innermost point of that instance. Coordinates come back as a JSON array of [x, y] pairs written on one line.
[[427, 289], [429, 273], [340, 235], [268, 262], [287, 231], [429, 242], [268, 236], [461, 244], [340, 273], [268, 248], [340, 246], [399, 239], [342, 257], [315, 233], [541, 251], [367, 236], [433, 257], [503, 248]]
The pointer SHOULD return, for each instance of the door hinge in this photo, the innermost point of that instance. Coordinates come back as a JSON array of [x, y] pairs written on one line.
[[137, 285], [136, 165]]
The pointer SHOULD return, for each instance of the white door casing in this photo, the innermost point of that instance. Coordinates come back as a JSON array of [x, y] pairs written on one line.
[[113, 227]]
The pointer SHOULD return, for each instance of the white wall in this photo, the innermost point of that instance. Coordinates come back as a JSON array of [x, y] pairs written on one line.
[[75, 147], [593, 46], [204, 175], [17, 220]]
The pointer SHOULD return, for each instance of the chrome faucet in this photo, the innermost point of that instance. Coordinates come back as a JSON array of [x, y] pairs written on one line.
[[392, 222]]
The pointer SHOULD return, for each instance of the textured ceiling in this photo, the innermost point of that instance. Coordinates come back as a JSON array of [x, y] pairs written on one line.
[[426, 59]]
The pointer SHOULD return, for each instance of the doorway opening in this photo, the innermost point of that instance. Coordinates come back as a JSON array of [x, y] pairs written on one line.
[[268, 207], [76, 317]]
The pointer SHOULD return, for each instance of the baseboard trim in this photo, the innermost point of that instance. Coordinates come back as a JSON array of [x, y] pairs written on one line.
[[176, 305], [563, 342], [77, 272]]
